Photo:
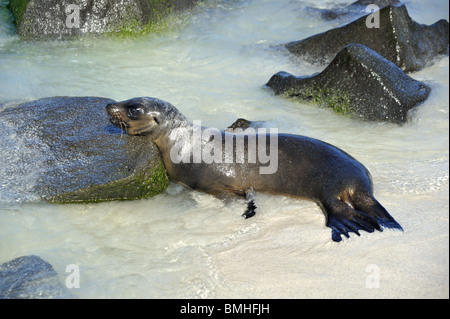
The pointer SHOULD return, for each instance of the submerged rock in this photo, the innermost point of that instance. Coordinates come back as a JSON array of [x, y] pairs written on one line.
[[30, 277], [399, 39], [358, 82], [79, 156], [63, 18]]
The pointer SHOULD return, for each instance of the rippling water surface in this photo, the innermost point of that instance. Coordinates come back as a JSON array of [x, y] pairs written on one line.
[[187, 244]]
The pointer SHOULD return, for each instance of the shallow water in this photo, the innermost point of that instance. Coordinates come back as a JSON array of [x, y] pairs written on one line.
[[186, 244]]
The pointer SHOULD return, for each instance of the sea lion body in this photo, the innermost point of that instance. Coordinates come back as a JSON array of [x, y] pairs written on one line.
[[305, 167], [303, 171]]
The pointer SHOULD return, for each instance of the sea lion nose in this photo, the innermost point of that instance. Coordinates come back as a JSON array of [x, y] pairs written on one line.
[[111, 108]]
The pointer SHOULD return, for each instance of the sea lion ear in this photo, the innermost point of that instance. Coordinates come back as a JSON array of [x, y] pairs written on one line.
[[156, 120]]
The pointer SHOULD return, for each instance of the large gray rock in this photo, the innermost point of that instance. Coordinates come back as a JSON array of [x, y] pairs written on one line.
[[58, 18], [30, 277], [358, 82], [78, 155], [408, 44]]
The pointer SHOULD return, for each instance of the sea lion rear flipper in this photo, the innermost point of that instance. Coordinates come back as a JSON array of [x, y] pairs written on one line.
[[370, 206], [367, 215], [342, 219]]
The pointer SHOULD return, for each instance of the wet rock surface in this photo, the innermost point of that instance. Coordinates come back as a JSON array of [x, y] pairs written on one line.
[[30, 277], [65, 18], [77, 155], [408, 44], [358, 82]]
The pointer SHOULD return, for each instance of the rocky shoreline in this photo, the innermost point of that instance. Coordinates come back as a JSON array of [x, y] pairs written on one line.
[[365, 65]]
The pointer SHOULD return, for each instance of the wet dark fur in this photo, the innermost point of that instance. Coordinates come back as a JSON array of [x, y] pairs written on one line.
[[307, 168]]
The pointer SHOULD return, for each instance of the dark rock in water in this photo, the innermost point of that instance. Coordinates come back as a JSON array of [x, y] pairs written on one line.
[[30, 277], [408, 44], [63, 18], [358, 82], [355, 9], [82, 157]]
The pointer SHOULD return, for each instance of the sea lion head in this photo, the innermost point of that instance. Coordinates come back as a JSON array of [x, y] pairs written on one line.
[[144, 116]]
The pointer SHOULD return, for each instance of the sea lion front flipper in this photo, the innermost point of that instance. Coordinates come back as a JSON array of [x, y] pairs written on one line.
[[250, 211]]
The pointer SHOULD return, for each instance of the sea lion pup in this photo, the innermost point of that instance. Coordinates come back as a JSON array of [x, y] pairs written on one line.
[[218, 162]]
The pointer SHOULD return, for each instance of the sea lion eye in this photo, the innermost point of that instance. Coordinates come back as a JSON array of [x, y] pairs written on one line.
[[156, 120], [134, 112]]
